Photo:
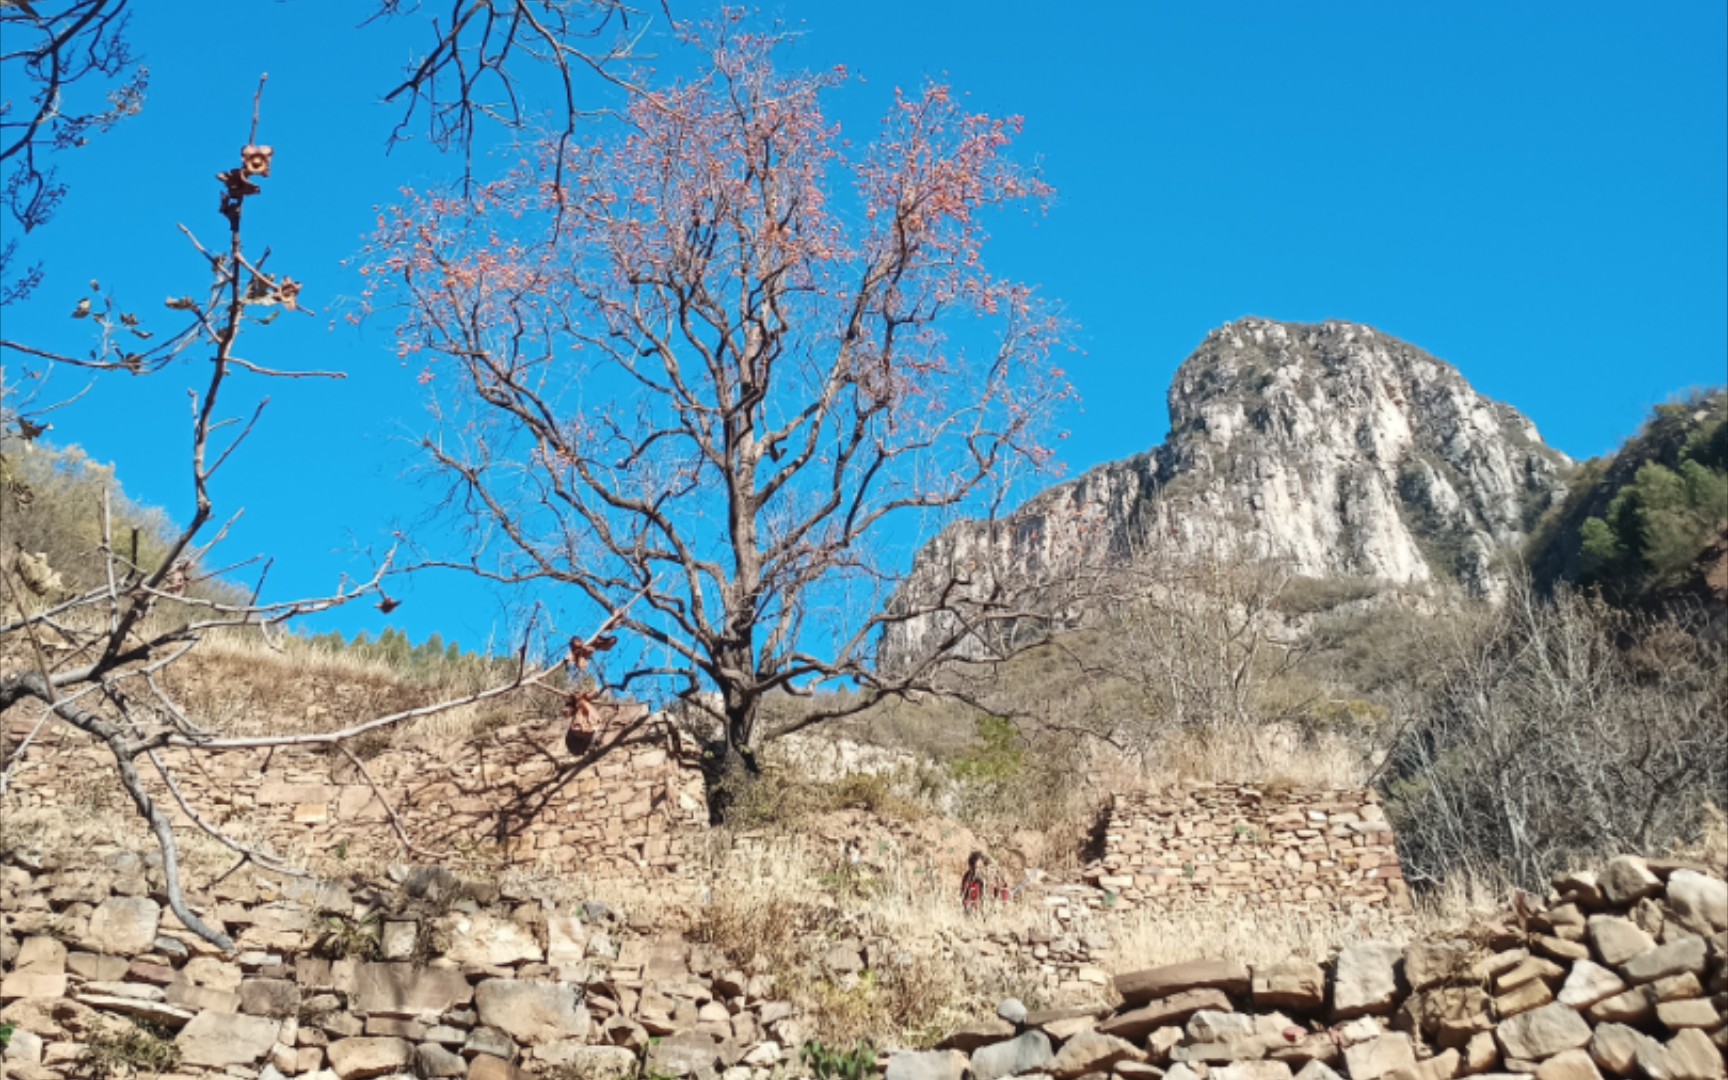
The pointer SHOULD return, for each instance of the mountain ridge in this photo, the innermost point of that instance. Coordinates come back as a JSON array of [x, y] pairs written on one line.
[[1332, 447]]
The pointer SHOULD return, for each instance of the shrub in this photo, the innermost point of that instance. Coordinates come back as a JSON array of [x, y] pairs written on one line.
[[1567, 730], [140, 1048], [832, 1063]]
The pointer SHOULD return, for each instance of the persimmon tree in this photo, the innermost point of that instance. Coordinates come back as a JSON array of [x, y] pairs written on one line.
[[720, 356]]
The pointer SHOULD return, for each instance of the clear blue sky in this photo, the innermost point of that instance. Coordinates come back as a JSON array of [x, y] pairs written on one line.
[[1533, 192]]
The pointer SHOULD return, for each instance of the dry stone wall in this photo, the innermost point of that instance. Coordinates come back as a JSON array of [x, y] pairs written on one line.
[[1302, 848], [1619, 973], [629, 807]]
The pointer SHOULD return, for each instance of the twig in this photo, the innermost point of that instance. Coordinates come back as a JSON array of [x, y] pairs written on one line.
[[395, 822]]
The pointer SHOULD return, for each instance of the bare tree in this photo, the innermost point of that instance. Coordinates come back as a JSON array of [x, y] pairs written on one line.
[[56, 58], [95, 660], [473, 69], [69, 72], [681, 369]]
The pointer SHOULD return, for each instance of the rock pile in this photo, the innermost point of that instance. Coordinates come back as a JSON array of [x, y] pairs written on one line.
[[441, 978], [1621, 973]]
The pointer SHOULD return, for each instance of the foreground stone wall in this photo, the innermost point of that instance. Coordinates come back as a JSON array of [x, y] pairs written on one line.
[[1320, 849], [1620, 973], [628, 807]]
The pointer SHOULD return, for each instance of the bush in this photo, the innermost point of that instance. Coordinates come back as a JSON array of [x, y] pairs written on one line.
[[142, 1048], [1566, 731]]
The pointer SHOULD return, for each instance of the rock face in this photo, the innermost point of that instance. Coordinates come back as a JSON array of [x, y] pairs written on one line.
[[1335, 448]]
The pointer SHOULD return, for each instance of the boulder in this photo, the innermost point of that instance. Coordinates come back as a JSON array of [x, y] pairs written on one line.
[[1480, 1053], [1627, 879], [490, 1067], [1251, 1070], [216, 1040], [1632, 1007], [1681, 955], [1175, 1009], [1614, 1048], [1541, 1033], [1688, 1013], [1378, 1057], [689, 1054], [432, 1060], [1092, 1051], [405, 990], [1012, 1010], [1140, 987], [270, 997], [1365, 980], [123, 925], [1294, 984], [489, 1040], [1439, 1067], [32, 984], [1161, 1042], [1433, 963], [1674, 987], [927, 1065], [532, 1012], [1699, 901], [487, 941], [1568, 1065], [215, 973], [1209, 1025], [1528, 970], [1617, 940], [1690, 1055], [1587, 984], [976, 1034], [1531, 995], [368, 1056], [1314, 1070], [40, 954], [1029, 1053], [590, 1062]]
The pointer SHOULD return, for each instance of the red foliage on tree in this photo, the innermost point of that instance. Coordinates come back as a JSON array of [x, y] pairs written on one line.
[[709, 355]]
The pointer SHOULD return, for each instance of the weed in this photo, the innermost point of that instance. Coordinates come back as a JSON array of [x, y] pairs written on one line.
[[349, 939], [832, 1063], [142, 1048]]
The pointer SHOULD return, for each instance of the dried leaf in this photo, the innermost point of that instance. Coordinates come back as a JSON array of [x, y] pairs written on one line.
[[82, 311], [255, 160]]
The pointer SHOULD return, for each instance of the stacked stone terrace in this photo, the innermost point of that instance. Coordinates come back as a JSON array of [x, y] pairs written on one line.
[[626, 808], [1319, 849]]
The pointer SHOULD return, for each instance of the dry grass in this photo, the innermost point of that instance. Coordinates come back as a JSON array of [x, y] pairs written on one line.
[[1265, 754], [1710, 847], [1151, 938]]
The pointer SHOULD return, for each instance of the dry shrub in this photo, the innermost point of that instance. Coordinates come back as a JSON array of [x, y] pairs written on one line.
[[1550, 742], [1291, 755]]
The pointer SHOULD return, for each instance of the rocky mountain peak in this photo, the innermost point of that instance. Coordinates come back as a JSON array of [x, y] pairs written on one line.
[[1334, 448]]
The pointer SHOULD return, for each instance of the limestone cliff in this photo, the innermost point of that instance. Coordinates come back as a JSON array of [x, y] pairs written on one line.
[[1335, 448]]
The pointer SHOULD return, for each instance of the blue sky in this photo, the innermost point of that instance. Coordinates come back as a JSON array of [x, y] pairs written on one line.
[[1533, 192]]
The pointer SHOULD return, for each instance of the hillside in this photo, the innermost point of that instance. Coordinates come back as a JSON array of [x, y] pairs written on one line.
[[1649, 523]]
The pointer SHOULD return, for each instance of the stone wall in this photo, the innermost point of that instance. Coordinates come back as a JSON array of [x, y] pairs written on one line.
[[1302, 848], [629, 806]]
